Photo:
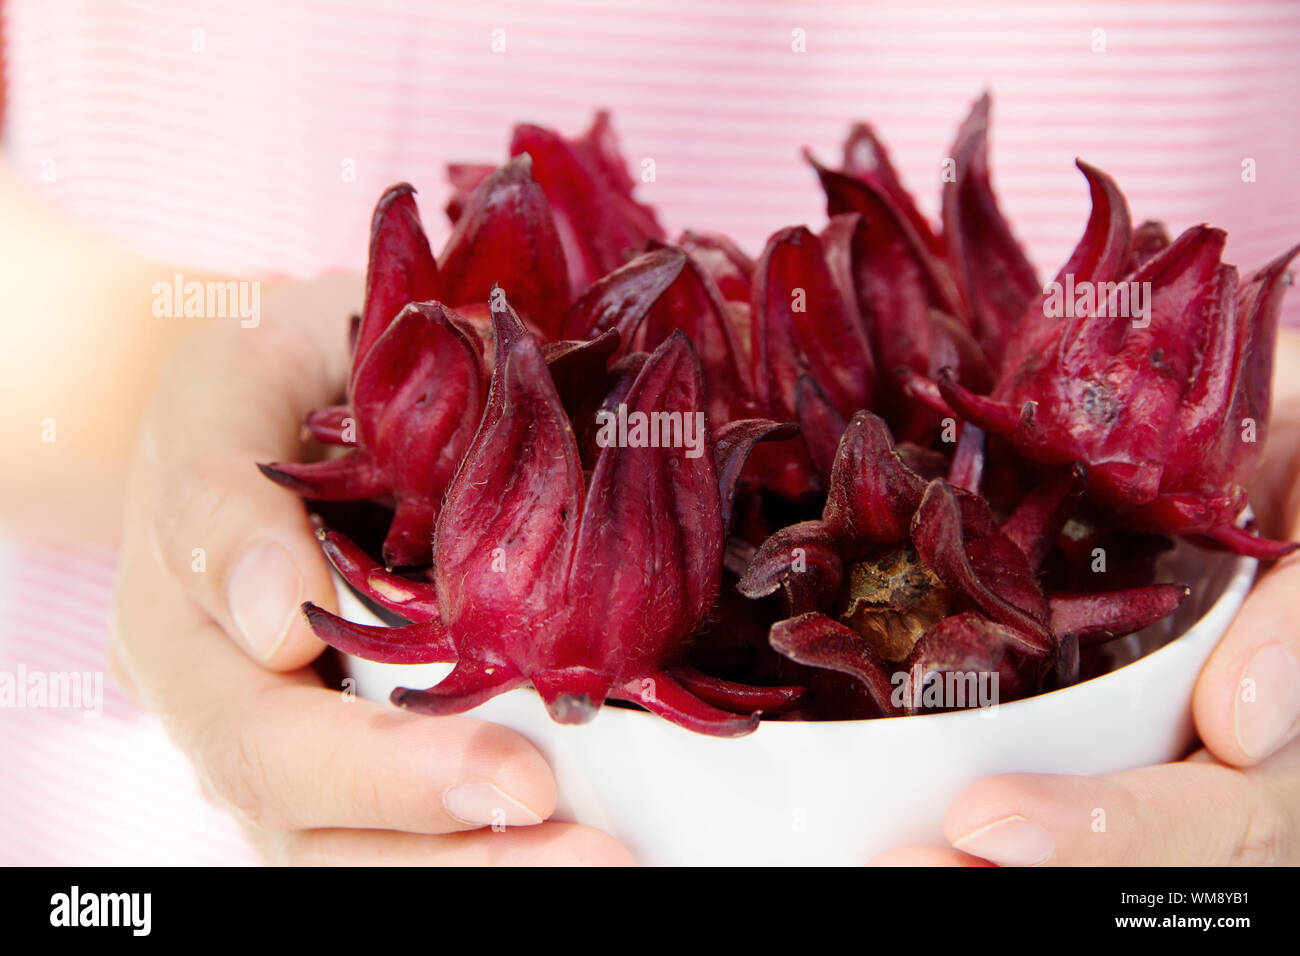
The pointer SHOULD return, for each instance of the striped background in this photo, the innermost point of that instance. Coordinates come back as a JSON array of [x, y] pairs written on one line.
[[231, 158]]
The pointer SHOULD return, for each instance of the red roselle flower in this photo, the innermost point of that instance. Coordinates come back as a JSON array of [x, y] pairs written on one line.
[[417, 381], [918, 577], [929, 300], [586, 181], [781, 337], [724, 261], [415, 399], [1151, 365], [810, 357], [590, 589], [662, 291]]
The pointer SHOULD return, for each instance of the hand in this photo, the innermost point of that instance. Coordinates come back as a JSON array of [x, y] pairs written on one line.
[[1237, 800], [207, 632]]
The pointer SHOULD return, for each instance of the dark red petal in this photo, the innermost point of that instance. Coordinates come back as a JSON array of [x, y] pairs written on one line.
[[998, 279], [866, 159], [926, 462], [507, 329], [802, 560], [967, 467], [786, 471], [804, 324], [1095, 618], [648, 560], [621, 299], [1102, 252], [939, 536], [1066, 669], [873, 495], [737, 698], [418, 395], [661, 694], [1102, 255], [328, 425], [590, 191], [572, 695], [338, 479], [954, 348], [908, 298], [580, 353], [354, 330], [409, 542], [1242, 542], [586, 417], [425, 643], [507, 237], [401, 268], [469, 684], [1149, 240], [414, 600], [723, 260], [464, 179], [840, 240], [693, 305], [970, 645], [820, 424], [506, 532], [924, 390], [580, 371], [732, 445], [898, 273], [1258, 306], [992, 415], [818, 641], [1033, 526], [1114, 397]]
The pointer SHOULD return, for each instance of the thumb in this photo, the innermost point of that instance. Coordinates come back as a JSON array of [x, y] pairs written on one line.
[[231, 397]]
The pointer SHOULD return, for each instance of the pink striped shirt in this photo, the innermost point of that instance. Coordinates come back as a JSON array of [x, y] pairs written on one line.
[[253, 138]]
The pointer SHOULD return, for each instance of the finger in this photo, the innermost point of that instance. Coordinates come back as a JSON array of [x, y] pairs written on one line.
[[300, 757], [1186, 814], [1247, 699], [232, 397], [551, 844], [926, 856], [286, 753]]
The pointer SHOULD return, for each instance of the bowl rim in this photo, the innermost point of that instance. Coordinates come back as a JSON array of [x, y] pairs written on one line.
[[1236, 586]]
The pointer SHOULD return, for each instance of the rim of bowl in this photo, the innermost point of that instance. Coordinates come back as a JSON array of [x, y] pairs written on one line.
[[1236, 585]]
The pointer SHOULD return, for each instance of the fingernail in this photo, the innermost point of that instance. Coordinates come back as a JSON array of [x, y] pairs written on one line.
[[1011, 841], [263, 591], [483, 805], [1268, 700]]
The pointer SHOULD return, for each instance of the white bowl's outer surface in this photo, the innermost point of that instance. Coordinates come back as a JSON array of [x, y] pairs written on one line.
[[839, 792]]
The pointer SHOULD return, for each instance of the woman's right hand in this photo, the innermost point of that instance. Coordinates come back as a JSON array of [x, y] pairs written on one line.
[[207, 634]]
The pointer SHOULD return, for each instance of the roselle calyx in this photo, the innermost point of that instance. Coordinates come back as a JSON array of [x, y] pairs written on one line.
[[600, 223], [588, 588], [928, 299], [413, 409], [903, 579], [415, 401], [1158, 378], [811, 361]]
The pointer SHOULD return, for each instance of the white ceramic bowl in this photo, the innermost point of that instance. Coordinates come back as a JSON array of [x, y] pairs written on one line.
[[838, 792]]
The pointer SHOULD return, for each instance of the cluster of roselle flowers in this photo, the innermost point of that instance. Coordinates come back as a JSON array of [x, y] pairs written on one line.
[[577, 456]]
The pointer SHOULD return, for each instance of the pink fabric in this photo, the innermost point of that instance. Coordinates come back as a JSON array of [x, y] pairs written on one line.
[[216, 135], [101, 785]]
